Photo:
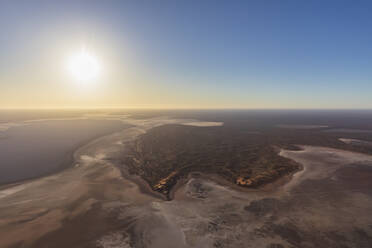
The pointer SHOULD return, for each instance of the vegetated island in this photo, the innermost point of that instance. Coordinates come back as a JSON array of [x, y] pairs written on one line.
[[168, 153]]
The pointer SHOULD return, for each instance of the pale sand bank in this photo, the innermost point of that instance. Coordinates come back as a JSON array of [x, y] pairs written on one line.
[[203, 124]]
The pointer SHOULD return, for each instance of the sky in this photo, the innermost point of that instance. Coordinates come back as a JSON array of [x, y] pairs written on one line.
[[188, 54]]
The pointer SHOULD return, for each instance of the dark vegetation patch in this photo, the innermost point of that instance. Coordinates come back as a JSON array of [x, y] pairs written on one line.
[[165, 154], [244, 151]]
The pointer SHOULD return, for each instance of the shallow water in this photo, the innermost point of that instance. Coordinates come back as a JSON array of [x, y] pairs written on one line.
[[37, 148]]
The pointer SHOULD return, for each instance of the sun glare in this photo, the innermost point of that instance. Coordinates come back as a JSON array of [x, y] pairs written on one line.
[[84, 66]]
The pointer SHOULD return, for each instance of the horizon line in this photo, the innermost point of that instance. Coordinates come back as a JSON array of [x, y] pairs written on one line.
[[169, 108]]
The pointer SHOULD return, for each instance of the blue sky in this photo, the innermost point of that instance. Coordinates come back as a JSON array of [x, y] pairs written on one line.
[[207, 54]]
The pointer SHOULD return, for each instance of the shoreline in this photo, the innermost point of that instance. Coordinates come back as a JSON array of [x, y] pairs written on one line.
[[72, 157], [68, 160], [145, 187], [272, 185]]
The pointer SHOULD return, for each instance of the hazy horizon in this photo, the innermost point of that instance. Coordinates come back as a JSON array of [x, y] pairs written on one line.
[[185, 55], [184, 108]]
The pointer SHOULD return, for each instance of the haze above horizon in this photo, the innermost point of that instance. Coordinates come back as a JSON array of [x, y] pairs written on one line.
[[186, 54]]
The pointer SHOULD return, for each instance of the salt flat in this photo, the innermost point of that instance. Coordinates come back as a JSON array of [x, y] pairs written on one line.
[[93, 205]]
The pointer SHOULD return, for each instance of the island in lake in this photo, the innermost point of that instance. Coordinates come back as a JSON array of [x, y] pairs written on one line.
[[190, 179]]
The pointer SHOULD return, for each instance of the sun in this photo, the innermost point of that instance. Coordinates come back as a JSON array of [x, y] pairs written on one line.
[[84, 66]]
